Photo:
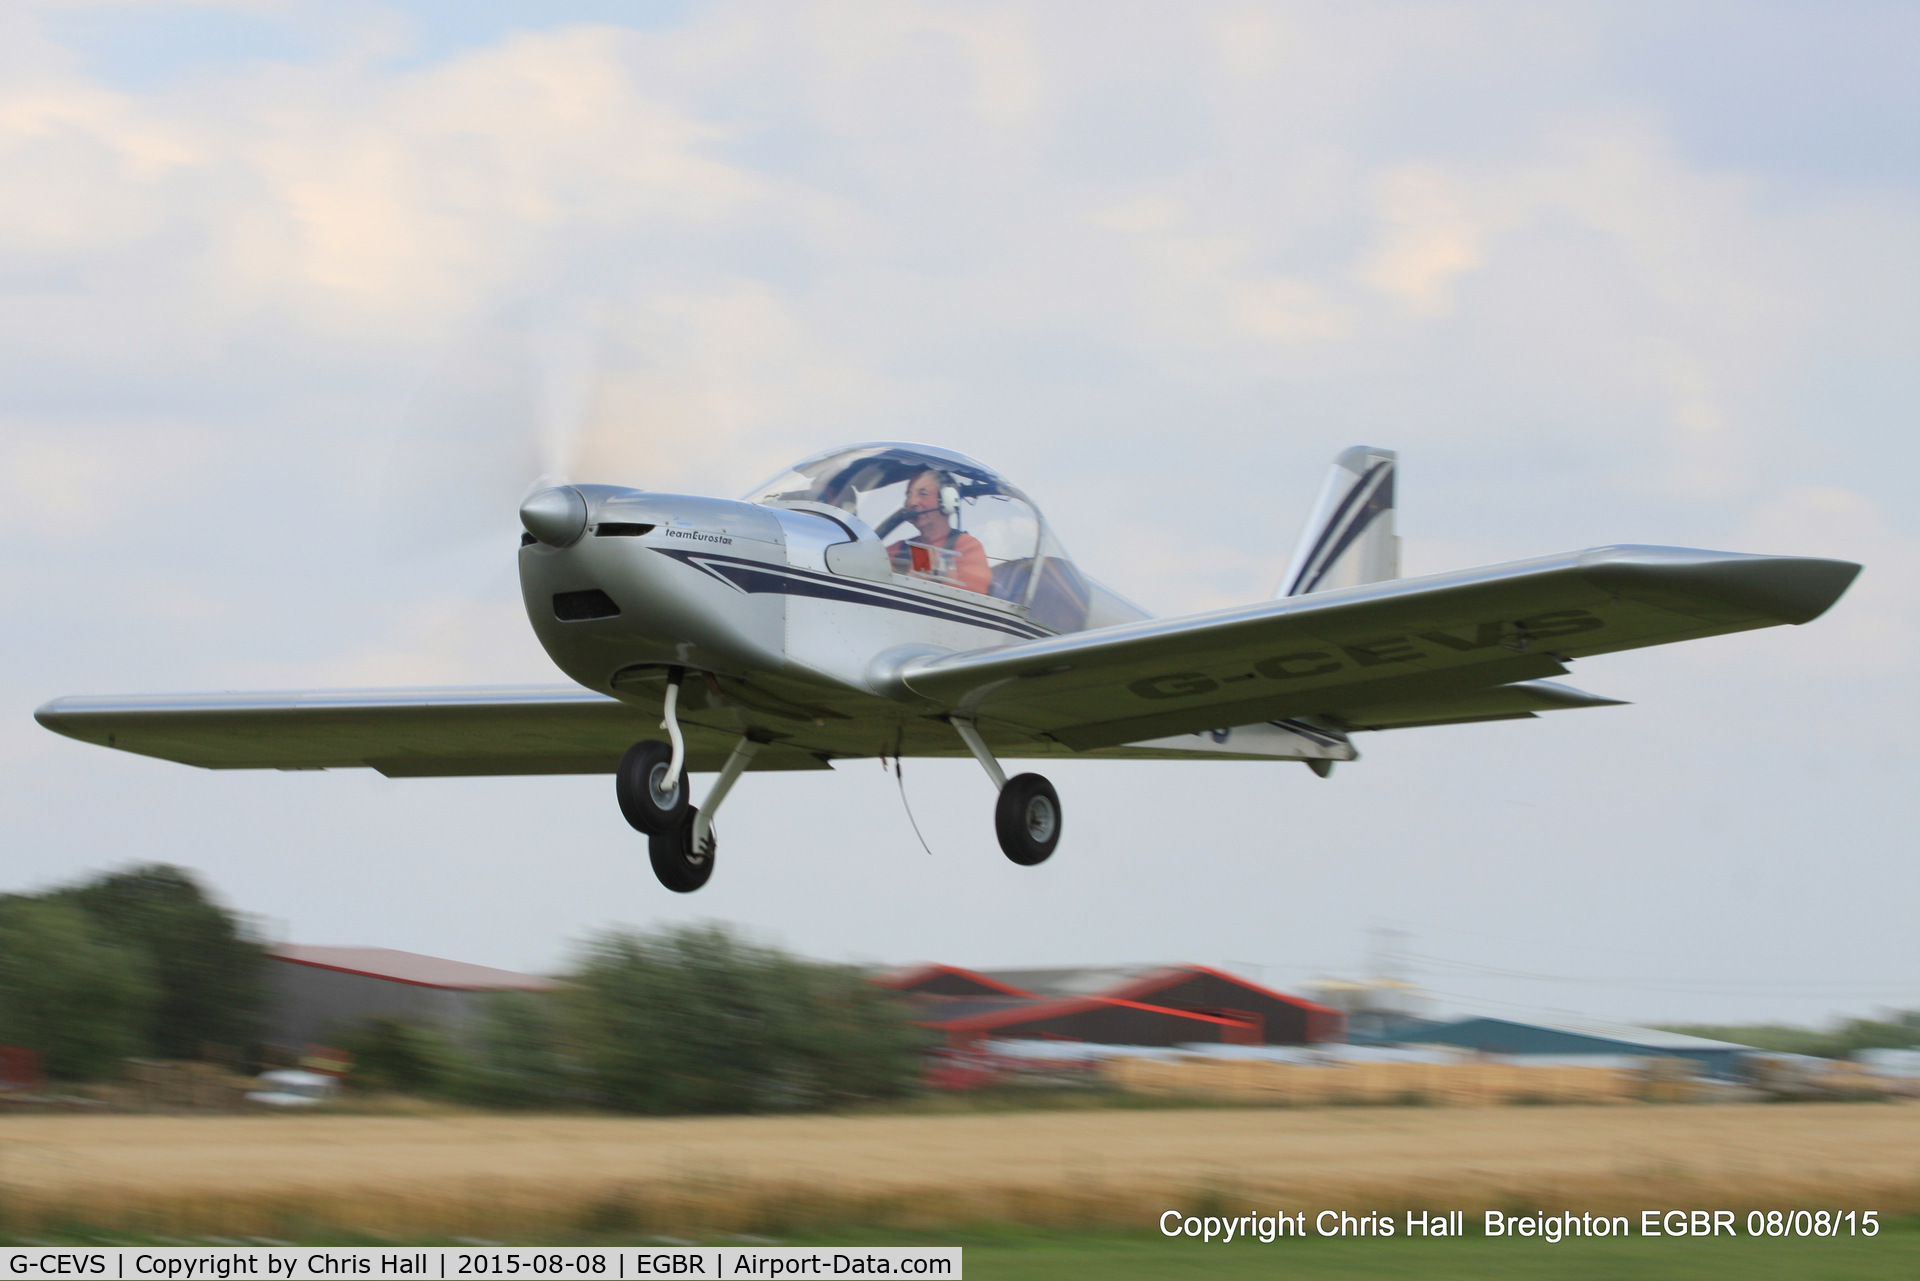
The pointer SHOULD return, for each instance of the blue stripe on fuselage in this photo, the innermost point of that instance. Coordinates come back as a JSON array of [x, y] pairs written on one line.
[[757, 577]]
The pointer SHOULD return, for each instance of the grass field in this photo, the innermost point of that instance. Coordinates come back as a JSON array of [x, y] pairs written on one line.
[[564, 1177], [1035, 1257]]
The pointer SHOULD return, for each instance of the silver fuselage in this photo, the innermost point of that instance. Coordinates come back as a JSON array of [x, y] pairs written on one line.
[[788, 620], [745, 590], [795, 614]]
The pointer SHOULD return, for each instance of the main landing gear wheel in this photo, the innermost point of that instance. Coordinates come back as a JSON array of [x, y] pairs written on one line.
[[650, 801], [679, 866], [1027, 819]]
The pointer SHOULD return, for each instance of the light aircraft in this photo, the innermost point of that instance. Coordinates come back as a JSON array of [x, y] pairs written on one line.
[[893, 600]]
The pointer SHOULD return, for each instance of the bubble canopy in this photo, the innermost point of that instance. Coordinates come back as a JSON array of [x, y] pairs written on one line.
[[915, 495], [952, 521]]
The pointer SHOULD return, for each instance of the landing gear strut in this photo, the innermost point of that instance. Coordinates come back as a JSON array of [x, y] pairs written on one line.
[[1026, 818], [683, 855], [651, 782]]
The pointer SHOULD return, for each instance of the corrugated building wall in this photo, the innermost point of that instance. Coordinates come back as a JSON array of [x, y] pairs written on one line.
[[319, 993]]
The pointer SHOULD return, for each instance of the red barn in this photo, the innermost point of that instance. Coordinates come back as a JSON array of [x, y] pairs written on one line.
[[1156, 1005]]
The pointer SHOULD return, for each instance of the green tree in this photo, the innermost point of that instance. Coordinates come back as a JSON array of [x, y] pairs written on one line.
[[81, 1002], [1897, 1031], [516, 1057], [1775, 1038], [1900, 1030], [395, 1054], [696, 1020], [856, 1039], [208, 967]]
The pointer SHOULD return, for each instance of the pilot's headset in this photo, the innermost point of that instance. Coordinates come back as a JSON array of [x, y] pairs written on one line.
[[949, 494]]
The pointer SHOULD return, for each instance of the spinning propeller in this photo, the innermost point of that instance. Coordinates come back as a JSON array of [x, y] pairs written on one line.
[[524, 405]]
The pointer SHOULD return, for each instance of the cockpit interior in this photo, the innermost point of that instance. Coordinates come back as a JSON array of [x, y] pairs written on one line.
[[949, 520]]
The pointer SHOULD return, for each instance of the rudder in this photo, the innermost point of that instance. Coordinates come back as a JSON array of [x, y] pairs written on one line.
[[1349, 539]]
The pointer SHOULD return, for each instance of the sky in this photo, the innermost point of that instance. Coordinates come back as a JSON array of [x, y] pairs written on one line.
[[296, 299]]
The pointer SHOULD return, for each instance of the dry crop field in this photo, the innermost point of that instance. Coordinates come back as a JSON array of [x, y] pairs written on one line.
[[524, 1177]]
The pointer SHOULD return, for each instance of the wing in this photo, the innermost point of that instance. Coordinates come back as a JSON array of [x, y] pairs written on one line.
[[403, 733], [1408, 651]]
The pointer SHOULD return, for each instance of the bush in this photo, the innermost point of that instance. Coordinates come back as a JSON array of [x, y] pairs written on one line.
[[209, 970], [515, 1058], [394, 1054], [1899, 1030], [83, 1003], [696, 1020]]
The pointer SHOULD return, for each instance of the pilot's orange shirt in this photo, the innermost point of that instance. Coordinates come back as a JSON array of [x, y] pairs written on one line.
[[961, 562]]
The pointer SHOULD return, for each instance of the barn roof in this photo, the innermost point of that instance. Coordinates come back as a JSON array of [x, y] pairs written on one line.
[[1015, 1014], [1069, 980], [1127, 982], [912, 976], [410, 967], [1154, 979]]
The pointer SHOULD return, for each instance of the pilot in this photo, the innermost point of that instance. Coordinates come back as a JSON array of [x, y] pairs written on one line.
[[932, 514]]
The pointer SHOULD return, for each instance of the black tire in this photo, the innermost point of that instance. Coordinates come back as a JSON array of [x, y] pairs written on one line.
[[1027, 819], [642, 770], [674, 860]]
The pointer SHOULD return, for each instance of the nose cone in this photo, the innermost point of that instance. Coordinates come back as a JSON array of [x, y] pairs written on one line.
[[557, 517]]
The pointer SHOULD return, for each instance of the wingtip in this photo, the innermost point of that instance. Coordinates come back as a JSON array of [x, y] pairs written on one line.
[[66, 717], [1786, 589]]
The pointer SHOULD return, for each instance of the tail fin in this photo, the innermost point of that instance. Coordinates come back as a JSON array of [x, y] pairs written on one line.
[[1349, 539]]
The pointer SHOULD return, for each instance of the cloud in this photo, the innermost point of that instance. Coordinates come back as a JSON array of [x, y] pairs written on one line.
[[84, 480], [413, 198], [365, 203], [1875, 629], [451, 640], [1429, 241], [1202, 289]]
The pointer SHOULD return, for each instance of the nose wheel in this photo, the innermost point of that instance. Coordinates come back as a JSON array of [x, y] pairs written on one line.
[[680, 839], [652, 799], [651, 782]]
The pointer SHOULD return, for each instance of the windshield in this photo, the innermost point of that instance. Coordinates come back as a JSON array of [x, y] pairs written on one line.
[[944, 517]]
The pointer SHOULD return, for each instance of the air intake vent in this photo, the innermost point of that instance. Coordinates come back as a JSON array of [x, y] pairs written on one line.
[[615, 529], [577, 607]]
